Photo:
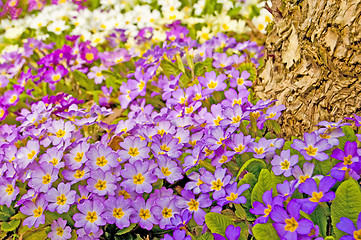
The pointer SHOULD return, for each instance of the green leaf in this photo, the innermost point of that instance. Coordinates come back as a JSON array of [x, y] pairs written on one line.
[[206, 236], [200, 68], [265, 182], [217, 223], [319, 217], [83, 80], [346, 204], [10, 226], [6, 213], [170, 68], [240, 211], [250, 68], [254, 166], [349, 136], [127, 229], [265, 232], [250, 179], [38, 234]]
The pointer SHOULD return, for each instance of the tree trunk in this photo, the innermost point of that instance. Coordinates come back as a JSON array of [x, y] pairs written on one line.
[[313, 62]]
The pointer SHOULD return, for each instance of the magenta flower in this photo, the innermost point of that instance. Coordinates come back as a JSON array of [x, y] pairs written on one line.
[[234, 116], [53, 155], [241, 82], [264, 209], [143, 214], [177, 235], [233, 194], [77, 155], [118, 211], [102, 183], [217, 136], [234, 98], [35, 211], [215, 182], [96, 74], [138, 176], [347, 226], [61, 132], [168, 169], [26, 155], [77, 175], [239, 144], [320, 194], [232, 233], [194, 204], [101, 157], [311, 148], [196, 182], [283, 164], [60, 199], [307, 172], [261, 147], [134, 149], [90, 216], [212, 82], [288, 223], [43, 177], [59, 230], [8, 191], [164, 209], [214, 117]]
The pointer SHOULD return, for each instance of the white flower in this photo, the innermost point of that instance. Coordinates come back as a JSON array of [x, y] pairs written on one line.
[[14, 32], [57, 27], [199, 6]]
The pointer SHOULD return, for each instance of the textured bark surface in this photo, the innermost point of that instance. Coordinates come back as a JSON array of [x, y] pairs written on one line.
[[313, 63]]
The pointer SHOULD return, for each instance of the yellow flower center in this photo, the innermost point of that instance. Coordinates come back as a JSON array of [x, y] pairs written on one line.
[[60, 133], [101, 185], [38, 212], [255, 114], [56, 77], [138, 179], [240, 81], [325, 136], [54, 161], [357, 235], [220, 141], [240, 148], [193, 205], [232, 197], [291, 224], [99, 74], [118, 213], [133, 152], [217, 120], [285, 164], [225, 26], [79, 156], [91, 216], [89, 56], [193, 143], [31, 154], [208, 152], [316, 196], [311, 150], [183, 100], [166, 171], [164, 147], [141, 85], [101, 161], [9, 189], [267, 210], [197, 97], [189, 110], [217, 185], [304, 178], [237, 101], [167, 212], [46, 179], [212, 85], [259, 150], [199, 182], [161, 132], [236, 119], [124, 193], [59, 231], [13, 99], [347, 160], [271, 115], [61, 200], [79, 173], [144, 214], [223, 159], [57, 29]]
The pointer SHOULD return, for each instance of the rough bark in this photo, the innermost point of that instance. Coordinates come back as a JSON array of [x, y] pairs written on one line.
[[313, 63]]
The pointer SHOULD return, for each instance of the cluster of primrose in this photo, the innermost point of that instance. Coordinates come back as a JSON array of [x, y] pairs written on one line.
[[100, 142]]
